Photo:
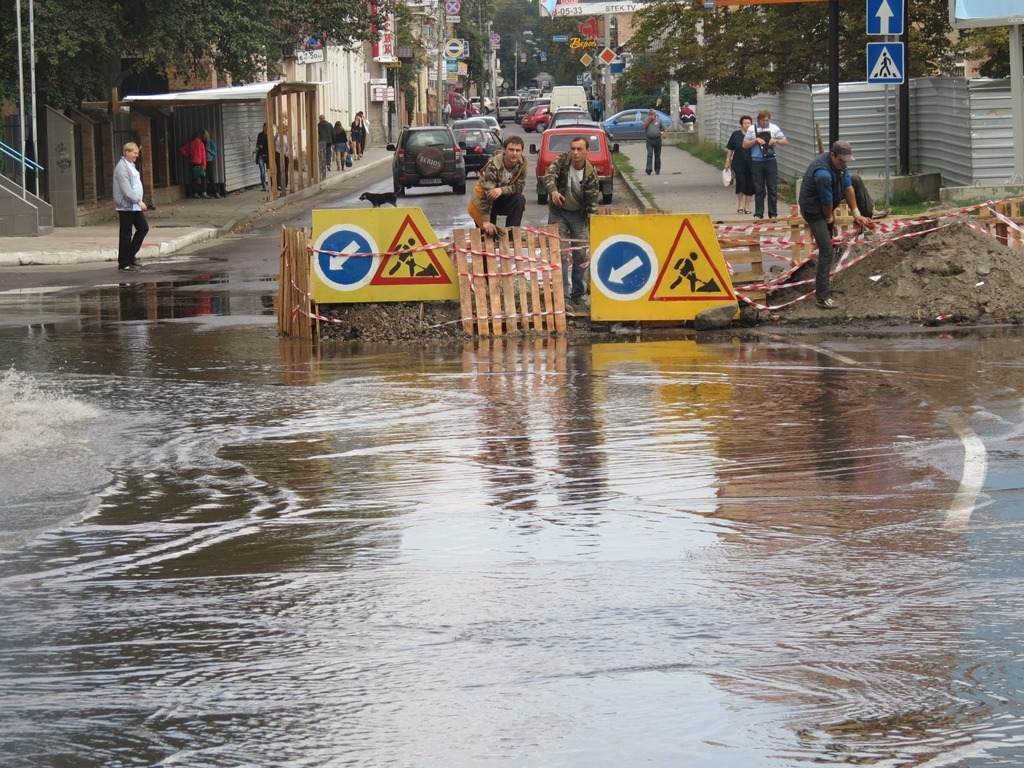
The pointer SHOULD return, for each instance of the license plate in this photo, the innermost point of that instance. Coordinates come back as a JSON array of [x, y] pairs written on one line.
[[424, 182]]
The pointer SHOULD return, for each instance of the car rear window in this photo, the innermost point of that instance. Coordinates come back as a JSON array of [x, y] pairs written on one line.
[[505, 101], [561, 142], [418, 139], [476, 136]]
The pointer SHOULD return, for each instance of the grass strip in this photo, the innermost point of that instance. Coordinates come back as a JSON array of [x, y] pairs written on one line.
[[712, 154], [623, 166]]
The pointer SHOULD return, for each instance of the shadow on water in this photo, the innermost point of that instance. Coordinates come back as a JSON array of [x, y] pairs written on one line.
[[727, 553]]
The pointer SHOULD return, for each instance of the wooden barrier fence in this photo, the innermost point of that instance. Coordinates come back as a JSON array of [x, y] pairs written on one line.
[[295, 308], [511, 283]]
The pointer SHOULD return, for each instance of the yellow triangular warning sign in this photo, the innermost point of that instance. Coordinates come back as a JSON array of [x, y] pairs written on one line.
[[689, 273], [407, 263]]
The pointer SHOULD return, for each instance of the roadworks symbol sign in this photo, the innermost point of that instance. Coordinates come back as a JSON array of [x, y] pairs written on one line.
[[407, 263], [362, 255], [688, 272], [656, 267]]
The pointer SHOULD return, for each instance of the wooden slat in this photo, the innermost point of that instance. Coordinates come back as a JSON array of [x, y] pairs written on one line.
[[479, 282], [556, 280], [548, 274], [508, 283], [493, 288], [522, 277], [536, 277], [463, 266]]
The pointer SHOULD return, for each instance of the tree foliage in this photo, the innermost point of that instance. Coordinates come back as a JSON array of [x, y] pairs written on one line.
[[80, 46], [748, 49], [991, 46]]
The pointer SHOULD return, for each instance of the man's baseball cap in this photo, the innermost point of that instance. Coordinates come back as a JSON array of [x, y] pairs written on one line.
[[843, 149]]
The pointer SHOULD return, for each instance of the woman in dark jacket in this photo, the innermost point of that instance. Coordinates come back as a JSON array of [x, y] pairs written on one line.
[[358, 135], [738, 159]]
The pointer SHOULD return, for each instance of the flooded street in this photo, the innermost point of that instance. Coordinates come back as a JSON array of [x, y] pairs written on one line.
[[749, 549]]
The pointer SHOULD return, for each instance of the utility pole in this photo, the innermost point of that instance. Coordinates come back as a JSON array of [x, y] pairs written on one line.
[[442, 38], [21, 97], [33, 125], [833, 72]]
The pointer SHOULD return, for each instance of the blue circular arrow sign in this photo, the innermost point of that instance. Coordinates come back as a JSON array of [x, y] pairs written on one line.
[[624, 267], [341, 259]]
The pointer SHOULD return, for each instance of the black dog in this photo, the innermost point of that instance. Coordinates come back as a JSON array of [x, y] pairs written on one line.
[[379, 198]]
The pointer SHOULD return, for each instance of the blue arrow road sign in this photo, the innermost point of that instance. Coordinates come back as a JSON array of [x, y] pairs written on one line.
[[559, 38], [342, 268], [885, 63], [885, 17], [624, 267]]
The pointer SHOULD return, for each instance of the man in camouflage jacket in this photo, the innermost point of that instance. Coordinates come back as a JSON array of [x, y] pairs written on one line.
[[573, 192], [499, 189]]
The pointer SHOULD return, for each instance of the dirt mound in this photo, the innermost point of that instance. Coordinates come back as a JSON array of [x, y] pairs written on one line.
[[955, 273]]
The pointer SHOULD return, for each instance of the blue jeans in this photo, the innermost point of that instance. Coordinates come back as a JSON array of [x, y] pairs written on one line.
[[654, 151], [765, 175], [261, 163]]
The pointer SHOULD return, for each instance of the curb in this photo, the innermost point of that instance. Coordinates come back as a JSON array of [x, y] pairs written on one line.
[[636, 190], [198, 235]]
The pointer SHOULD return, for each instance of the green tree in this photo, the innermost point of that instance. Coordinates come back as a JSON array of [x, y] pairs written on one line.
[[990, 45], [80, 46]]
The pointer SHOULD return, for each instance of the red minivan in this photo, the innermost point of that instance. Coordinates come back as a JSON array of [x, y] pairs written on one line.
[[556, 142]]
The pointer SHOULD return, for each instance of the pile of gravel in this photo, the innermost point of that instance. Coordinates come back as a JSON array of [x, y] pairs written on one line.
[[956, 273]]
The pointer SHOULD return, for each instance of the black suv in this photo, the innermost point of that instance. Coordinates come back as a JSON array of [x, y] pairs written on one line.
[[427, 156]]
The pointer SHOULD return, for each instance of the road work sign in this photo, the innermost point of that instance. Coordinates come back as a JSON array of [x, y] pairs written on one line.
[[379, 255], [656, 267]]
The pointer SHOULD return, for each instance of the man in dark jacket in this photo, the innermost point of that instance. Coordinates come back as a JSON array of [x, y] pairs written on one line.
[[573, 191], [325, 135], [826, 184]]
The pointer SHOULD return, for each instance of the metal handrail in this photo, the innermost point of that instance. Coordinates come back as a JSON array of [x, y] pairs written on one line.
[[15, 155]]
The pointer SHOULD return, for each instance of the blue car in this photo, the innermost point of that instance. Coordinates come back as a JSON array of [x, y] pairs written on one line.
[[629, 124]]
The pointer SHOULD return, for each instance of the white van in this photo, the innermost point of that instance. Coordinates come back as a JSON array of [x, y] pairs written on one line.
[[507, 107], [568, 96]]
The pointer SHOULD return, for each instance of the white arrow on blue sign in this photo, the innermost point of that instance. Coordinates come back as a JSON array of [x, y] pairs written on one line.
[[885, 63], [340, 266], [623, 267], [885, 17]]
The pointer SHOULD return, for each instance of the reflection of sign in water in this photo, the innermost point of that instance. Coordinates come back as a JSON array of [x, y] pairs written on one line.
[[405, 273], [689, 274], [407, 264], [341, 268], [656, 267]]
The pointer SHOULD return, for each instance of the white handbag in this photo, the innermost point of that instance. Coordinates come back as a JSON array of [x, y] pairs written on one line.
[[726, 177]]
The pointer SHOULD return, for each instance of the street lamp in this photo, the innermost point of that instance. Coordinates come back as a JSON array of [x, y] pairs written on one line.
[[527, 40]]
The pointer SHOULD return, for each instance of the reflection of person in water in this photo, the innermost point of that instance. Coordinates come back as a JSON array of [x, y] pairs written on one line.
[[686, 267], [407, 257]]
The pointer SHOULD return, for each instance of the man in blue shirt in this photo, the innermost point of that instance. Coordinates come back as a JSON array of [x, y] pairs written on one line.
[[826, 183]]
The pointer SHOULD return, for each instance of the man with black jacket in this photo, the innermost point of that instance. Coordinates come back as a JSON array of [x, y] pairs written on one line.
[[826, 183]]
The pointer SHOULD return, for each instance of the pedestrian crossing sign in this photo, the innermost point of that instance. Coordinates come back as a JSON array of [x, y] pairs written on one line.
[[885, 63], [382, 254], [656, 267]]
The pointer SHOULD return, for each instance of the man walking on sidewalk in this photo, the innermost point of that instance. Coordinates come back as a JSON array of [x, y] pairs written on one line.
[[325, 134], [652, 132], [825, 184], [761, 139], [131, 210], [573, 192]]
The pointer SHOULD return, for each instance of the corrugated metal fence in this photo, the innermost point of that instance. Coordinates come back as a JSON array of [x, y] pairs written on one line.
[[959, 128]]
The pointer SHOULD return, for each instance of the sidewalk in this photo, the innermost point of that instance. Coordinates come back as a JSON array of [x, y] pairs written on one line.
[[685, 185], [171, 227]]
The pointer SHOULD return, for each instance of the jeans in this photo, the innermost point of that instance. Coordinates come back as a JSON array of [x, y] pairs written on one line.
[[128, 245], [765, 175], [511, 207], [822, 233], [261, 163], [326, 152], [574, 231], [654, 152]]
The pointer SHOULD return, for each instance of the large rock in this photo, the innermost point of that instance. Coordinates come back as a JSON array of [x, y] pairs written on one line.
[[715, 318]]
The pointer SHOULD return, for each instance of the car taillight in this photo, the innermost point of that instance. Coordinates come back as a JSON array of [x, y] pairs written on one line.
[[478, 149], [458, 153], [401, 155]]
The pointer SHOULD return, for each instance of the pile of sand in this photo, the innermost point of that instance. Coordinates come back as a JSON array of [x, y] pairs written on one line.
[[956, 273]]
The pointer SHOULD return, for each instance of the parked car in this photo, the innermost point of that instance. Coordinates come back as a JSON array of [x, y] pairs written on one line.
[[570, 116], [427, 156], [629, 124], [507, 107], [537, 116], [477, 145], [555, 141]]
